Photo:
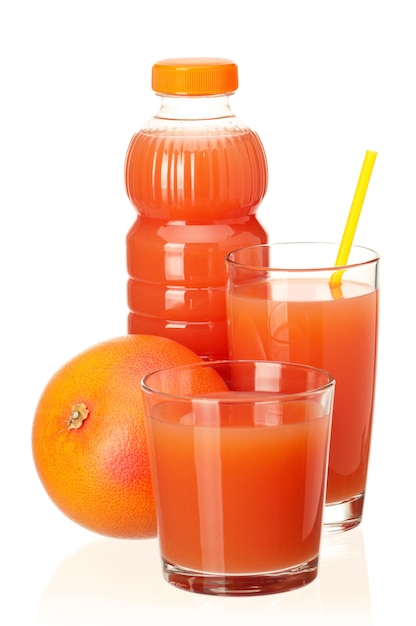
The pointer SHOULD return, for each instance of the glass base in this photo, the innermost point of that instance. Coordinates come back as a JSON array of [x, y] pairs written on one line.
[[342, 516], [240, 584]]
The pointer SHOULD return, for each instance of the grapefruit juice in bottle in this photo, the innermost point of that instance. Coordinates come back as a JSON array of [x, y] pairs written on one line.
[[196, 175]]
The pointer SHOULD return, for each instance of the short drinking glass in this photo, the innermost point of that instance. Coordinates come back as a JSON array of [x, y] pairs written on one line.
[[239, 455]]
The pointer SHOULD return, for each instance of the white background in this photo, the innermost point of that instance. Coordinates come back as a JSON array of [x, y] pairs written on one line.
[[321, 82]]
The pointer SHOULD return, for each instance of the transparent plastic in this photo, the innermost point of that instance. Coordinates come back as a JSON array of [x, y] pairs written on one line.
[[196, 175]]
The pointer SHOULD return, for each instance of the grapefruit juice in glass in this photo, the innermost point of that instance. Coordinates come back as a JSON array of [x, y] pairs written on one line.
[[240, 475], [281, 307]]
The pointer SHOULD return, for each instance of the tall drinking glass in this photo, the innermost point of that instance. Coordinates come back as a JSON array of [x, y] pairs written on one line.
[[281, 307]]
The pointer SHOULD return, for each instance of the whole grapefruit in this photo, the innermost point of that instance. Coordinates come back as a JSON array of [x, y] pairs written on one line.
[[89, 440]]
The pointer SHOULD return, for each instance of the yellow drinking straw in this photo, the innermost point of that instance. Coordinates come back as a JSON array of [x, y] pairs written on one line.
[[352, 221]]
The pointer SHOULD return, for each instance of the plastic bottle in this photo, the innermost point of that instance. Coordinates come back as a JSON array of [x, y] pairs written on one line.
[[195, 174]]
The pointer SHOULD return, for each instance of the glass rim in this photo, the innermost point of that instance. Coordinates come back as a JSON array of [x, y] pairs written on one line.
[[238, 399], [375, 257]]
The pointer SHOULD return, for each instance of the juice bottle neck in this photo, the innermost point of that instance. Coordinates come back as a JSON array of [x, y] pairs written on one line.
[[194, 107]]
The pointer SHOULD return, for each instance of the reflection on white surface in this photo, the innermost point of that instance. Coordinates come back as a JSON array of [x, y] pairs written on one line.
[[120, 582]]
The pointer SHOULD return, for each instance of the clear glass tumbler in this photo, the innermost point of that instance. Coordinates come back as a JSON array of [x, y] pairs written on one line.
[[239, 453], [287, 302]]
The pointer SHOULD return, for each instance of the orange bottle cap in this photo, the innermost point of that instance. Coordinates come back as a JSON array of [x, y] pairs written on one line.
[[195, 76]]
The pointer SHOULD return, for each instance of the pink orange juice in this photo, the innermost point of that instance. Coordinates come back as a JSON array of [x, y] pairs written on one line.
[[240, 489], [299, 320]]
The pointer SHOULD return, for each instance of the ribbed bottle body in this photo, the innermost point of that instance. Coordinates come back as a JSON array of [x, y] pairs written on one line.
[[196, 182]]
